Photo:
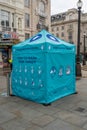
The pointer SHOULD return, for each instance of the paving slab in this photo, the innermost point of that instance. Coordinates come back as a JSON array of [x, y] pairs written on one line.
[[30, 114], [76, 120], [61, 125], [50, 110], [6, 116], [34, 127], [16, 124], [43, 120], [62, 114], [85, 126]]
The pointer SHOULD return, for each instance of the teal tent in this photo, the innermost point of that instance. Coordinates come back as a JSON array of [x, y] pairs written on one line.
[[43, 68]]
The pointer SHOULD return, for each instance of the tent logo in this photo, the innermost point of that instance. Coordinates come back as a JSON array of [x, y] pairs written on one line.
[[68, 70], [60, 73], [53, 71], [36, 37], [52, 38]]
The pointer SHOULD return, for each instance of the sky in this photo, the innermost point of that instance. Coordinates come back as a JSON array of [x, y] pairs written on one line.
[[59, 6]]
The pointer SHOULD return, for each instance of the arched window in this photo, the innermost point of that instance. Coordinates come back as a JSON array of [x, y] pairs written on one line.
[[70, 16], [42, 6]]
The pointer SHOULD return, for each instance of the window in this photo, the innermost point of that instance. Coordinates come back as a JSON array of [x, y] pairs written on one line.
[[70, 37], [52, 29], [41, 20], [26, 20], [26, 3], [57, 34], [12, 19], [57, 28], [5, 18], [27, 35], [62, 34], [70, 16], [70, 26], [62, 27], [42, 7], [19, 23]]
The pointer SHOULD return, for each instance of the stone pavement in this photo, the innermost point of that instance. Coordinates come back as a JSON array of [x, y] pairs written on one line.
[[68, 113]]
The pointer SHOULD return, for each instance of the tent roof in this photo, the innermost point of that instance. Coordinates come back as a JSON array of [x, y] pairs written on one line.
[[46, 39]]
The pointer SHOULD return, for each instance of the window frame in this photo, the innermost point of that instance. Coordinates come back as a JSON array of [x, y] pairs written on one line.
[[27, 20], [62, 34], [5, 18], [27, 35], [42, 6], [27, 3]]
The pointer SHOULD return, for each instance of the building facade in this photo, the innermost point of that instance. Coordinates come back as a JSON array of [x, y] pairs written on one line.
[[19, 20], [38, 12], [65, 26]]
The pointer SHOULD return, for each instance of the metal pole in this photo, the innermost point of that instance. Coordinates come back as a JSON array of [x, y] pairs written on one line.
[[78, 65], [84, 62], [78, 45], [8, 84]]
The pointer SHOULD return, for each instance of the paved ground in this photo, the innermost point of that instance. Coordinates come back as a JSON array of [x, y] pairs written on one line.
[[68, 113]]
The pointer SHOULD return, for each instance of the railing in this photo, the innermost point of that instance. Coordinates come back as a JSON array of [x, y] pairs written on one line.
[[3, 28], [6, 28]]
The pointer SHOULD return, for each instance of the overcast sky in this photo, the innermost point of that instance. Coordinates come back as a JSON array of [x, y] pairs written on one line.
[[59, 6]]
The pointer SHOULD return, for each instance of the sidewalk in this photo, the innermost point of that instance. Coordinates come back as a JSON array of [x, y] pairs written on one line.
[[84, 71], [84, 74], [68, 113]]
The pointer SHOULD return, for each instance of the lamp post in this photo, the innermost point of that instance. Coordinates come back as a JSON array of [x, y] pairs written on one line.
[[78, 65], [84, 62]]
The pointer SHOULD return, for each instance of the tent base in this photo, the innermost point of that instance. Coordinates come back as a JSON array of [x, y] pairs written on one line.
[[11, 95], [46, 104]]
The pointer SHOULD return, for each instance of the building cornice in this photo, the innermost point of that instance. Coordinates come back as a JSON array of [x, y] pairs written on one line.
[[11, 7], [64, 22]]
